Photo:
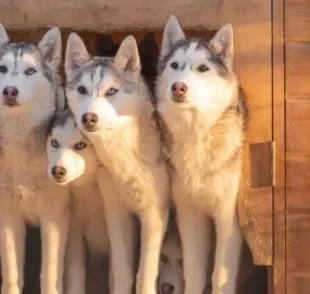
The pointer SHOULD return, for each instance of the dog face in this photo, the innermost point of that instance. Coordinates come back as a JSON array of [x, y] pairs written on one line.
[[71, 157], [195, 74], [102, 92], [27, 72], [170, 278]]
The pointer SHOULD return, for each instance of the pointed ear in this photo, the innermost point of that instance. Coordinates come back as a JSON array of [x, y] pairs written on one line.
[[50, 47], [127, 56], [76, 54], [172, 34], [4, 39], [222, 44]]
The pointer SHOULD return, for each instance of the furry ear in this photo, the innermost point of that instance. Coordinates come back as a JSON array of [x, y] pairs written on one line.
[[50, 47], [127, 56], [172, 34], [222, 44], [4, 39], [76, 54]]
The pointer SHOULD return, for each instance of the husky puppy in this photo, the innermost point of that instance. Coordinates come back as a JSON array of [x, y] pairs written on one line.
[[170, 277], [203, 119], [73, 160], [29, 95], [112, 105]]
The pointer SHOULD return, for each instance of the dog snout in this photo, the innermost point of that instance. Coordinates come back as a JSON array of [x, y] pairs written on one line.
[[167, 289], [59, 172], [89, 120], [10, 94], [179, 90]]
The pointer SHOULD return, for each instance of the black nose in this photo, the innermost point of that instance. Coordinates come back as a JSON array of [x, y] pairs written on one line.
[[89, 120], [59, 172], [10, 94], [167, 289], [179, 90]]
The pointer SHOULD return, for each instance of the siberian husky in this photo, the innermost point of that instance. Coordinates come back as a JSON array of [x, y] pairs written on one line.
[[30, 92], [203, 118], [112, 106], [73, 161]]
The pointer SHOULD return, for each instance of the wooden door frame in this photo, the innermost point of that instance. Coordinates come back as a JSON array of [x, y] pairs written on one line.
[[277, 273]]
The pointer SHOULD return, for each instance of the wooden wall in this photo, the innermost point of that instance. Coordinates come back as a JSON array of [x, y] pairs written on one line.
[[297, 104]]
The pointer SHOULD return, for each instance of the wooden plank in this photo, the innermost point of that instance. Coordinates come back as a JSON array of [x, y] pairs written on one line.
[[298, 185], [279, 226], [261, 170], [297, 70], [103, 15], [298, 240], [297, 127], [297, 21], [255, 215], [298, 283]]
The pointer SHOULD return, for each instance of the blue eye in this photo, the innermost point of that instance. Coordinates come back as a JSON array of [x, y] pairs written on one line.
[[55, 143], [80, 145], [111, 91], [30, 71]]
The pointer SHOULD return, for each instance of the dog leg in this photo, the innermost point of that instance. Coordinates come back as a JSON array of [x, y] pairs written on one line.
[[75, 262], [195, 232], [228, 249], [121, 234], [153, 227], [12, 248], [54, 238]]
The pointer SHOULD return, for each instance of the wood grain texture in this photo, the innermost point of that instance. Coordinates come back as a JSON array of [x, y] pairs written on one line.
[[298, 240], [278, 272], [122, 15], [297, 66], [297, 127], [298, 283], [298, 185], [297, 21], [255, 216]]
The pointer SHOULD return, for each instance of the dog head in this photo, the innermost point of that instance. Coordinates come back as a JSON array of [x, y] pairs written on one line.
[[71, 157], [28, 73], [170, 278], [195, 74], [103, 92]]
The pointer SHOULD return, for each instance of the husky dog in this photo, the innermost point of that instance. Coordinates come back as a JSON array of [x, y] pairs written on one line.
[[30, 92], [73, 161], [112, 106], [170, 277], [203, 119]]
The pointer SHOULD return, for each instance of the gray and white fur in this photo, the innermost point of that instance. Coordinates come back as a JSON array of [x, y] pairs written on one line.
[[203, 119], [73, 161], [30, 92], [112, 106]]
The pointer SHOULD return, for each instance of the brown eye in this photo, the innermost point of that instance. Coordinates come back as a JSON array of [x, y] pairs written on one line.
[[164, 258], [79, 145], [82, 90], [202, 68], [174, 65], [3, 69]]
